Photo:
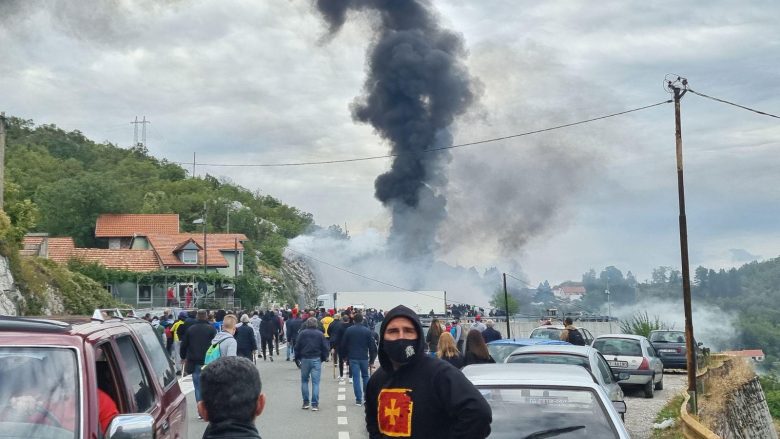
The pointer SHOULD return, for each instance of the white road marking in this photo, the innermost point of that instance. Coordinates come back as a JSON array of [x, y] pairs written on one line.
[[342, 420], [342, 389], [343, 435], [342, 397], [341, 408]]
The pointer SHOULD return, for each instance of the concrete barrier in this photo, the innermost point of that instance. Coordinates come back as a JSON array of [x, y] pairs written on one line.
[[691, 427]]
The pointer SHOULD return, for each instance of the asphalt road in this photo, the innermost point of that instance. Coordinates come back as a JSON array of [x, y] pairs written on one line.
[[338, 417]]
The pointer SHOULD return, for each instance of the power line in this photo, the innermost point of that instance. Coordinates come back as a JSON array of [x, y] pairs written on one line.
[[441, 148], [518, 279], [358, 274], [732, 103]]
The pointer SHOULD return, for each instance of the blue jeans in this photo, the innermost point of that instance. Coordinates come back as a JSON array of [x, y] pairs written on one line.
[[290, 350], [359, 369], [196, 381], [313, 367]]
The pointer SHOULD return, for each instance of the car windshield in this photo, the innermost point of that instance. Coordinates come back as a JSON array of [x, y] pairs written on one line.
[[39, 394], [547, 333], [552, 358], [499, 352], [522, 412], [627, 347], [668, 337]]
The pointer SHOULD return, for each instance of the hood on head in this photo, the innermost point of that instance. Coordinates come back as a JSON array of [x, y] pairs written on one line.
[[400, 311]]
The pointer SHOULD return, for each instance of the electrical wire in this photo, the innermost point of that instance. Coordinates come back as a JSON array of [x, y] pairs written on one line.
[[732, 103], [442, 148], [358, 274], [518, 279]]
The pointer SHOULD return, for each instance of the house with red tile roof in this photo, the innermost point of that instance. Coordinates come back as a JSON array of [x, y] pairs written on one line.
[[145, 243], [569, 290], [756, 355]]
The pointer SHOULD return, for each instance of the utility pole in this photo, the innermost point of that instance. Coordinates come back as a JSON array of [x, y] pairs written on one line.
[[679, 87], [609, 306], [205, 245], [2, 160], [506, 302], [193, 165]]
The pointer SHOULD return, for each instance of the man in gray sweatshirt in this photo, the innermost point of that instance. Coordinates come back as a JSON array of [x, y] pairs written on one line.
[[227, 344]]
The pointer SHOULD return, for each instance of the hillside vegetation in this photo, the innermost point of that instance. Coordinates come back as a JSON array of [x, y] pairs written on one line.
[[59, 182]]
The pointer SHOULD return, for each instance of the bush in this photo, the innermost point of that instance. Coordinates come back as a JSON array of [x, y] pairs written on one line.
[[771, 386], [642, 324]]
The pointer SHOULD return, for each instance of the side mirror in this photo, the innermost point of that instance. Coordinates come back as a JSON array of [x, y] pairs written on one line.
[[620, 406], [135, 426], [622, 376]]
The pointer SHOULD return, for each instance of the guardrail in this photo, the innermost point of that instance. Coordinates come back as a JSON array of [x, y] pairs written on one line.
[[691, 427]]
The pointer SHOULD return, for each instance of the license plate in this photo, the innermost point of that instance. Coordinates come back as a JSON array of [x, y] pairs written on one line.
[[668, 351], [618, 363]]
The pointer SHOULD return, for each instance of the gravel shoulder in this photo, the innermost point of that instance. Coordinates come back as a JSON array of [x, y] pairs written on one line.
[[641, 412]]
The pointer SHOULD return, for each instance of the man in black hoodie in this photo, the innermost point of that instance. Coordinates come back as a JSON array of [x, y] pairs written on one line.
[[418, 396], [197, 339]]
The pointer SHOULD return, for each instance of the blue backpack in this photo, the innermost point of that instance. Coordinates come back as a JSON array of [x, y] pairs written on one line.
[[213, 353]]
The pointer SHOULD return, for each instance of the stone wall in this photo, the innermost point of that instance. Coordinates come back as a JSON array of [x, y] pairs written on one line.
[[747, 414], [10, 297]]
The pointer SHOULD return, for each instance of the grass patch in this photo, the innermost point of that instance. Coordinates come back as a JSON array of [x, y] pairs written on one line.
[[670, 410]]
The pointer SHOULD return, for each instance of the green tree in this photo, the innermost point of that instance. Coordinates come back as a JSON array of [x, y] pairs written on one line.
[[502, 302]]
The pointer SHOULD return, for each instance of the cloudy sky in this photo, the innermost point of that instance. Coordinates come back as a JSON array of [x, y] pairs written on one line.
[[242, 81]]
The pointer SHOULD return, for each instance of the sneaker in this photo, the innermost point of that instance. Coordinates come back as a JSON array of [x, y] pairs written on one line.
[[341, 380], [315, 408], [350, 380], [359, 403], [305, 406], [272, 358], [288, 358]]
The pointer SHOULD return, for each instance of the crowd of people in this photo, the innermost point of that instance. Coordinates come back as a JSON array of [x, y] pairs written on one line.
[[219, 349]]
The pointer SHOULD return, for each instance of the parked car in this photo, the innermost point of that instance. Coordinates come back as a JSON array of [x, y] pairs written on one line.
[[584, 356], [553, 332], [635, 355], [546, 400], [500, 349], [671, 348], [65, 362]]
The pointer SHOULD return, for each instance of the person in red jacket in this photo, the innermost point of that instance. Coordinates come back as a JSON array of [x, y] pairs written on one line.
[[107, 410]]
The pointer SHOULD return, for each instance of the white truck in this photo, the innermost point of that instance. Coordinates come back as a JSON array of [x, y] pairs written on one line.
[[422, 302]]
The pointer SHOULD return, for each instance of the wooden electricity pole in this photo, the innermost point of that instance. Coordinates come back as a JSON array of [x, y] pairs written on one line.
[[679, 88]]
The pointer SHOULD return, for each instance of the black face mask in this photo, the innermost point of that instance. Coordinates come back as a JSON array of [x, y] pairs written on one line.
[[400, 351]]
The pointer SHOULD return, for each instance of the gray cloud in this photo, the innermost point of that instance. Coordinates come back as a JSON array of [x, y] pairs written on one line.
[[246, 81]]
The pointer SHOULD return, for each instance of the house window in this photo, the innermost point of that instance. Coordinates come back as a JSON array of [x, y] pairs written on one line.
[[189, 256], [109, 288], [144, 294]]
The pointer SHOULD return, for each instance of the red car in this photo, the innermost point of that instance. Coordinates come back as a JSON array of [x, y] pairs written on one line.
[[51, 370]]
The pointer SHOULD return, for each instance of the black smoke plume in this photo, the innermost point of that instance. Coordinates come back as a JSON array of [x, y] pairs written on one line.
[[417, 84]]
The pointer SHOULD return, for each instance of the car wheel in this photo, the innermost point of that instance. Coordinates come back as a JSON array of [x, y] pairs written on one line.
[[660, 384], [650, 388]]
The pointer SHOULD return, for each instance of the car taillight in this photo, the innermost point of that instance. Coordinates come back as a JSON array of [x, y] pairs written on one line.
[[645, 364]]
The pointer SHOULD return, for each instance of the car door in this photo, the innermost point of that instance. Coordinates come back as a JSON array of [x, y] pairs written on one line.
[[588, 336], [172, 403], [655, 361], [605, 374], [138, 385]]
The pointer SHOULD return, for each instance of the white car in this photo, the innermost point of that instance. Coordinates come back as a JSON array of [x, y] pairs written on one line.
[[546, 400], [635, 355], [584, 356]]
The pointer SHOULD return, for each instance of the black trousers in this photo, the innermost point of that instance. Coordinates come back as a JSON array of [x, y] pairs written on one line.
[[267, 342]]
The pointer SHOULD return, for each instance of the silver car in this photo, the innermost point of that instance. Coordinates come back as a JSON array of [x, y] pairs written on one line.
[[584, 356], [635, 355], [546, 400]]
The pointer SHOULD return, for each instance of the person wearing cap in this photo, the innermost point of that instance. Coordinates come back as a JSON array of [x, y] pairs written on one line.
[[478, 325], [415, 395], [457, 333]]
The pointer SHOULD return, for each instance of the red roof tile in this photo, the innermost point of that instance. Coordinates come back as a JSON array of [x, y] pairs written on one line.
[[126, 225], [746, 353], [165, 245], [120, 259], [59, 249]]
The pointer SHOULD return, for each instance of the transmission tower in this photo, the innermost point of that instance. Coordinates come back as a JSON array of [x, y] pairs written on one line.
[[143, 123]]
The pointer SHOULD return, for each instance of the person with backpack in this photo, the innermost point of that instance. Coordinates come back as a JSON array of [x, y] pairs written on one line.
[[571, 333], [457, 334], [223, 344]]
